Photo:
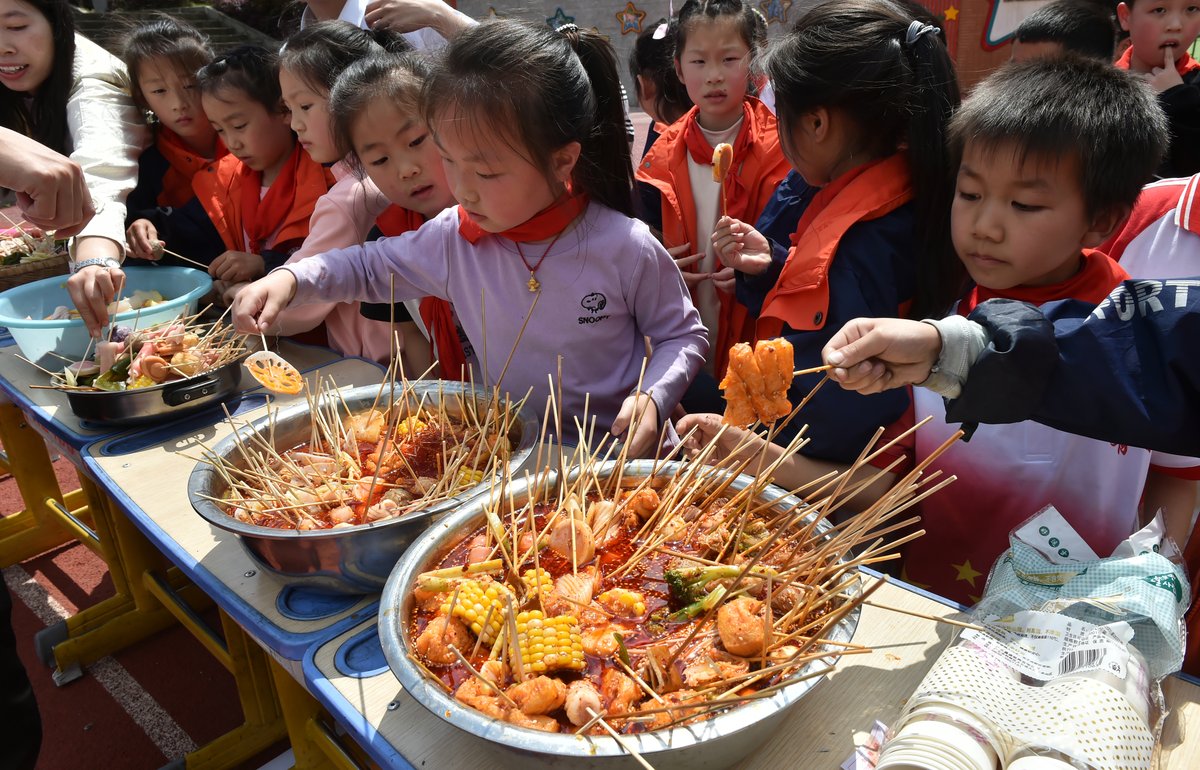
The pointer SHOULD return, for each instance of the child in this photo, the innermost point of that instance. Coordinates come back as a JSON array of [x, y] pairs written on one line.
[[262, 194], [864, 92], [377, 125], [162, 57], [71, 96], [1046, 174], [1160, 33], [716, 45], [310, 63], [652, 66], [1084, 27], [530, 129]]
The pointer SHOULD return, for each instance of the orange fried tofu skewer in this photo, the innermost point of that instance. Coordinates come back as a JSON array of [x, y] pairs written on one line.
[[722, 161], [775, 359], [743, 386]]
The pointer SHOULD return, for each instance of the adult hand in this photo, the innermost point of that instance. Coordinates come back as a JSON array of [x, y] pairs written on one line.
[[411, 15], [142, 239], [740, 246], [50, 188], [638, 423], [91, 289], [237, 266], [683, 259], [258, 305], [1165, 77], [871, 355], [700, 430]]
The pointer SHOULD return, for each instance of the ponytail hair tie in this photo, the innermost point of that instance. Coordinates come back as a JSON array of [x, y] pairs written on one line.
[[570, 26], [918, 29]]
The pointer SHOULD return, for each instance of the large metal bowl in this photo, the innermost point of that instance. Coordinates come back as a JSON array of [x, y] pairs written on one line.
[[352, 560], [716, 742]]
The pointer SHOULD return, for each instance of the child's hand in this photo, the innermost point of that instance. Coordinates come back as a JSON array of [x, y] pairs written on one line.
[[258, 305], [1165, 77], [725, 280], [740, 246], [237, 266], [642, 436], [683, 259], [143, 242], [705, 428], [877, 354]]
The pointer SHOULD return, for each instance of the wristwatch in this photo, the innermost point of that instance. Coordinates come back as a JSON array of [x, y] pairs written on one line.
[[107, 262]]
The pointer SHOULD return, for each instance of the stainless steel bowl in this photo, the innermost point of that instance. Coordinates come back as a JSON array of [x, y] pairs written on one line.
[[168, 400], [716, 742], [352, 560]]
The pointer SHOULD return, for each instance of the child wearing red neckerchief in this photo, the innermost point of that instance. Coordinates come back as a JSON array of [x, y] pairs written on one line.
[[261, 195], [551, 278], [1160, 34], [717, 42], [162, 57]]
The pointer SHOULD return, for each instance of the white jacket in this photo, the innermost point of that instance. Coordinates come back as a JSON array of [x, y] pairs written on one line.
[[107, 135]]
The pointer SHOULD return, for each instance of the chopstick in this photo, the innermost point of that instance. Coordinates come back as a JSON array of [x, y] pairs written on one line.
[[200, 265]]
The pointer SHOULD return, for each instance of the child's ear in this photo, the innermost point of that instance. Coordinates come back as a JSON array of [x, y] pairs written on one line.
[[815, 123], [1104, 225], [563, 160], [1123, 11], [678, 70]]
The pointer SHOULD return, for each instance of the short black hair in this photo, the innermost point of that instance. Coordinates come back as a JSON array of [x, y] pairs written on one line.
[[1070, 106], [250, 69], [1084, 27]]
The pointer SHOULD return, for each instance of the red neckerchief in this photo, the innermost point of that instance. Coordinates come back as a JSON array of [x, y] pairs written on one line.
[[737, 198], [1095, 280], [262, 217], [182, 164], [545, 224], [435, 311], [1183, 65]]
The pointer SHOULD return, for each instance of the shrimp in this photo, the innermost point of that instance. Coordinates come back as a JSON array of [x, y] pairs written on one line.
[[539, 695], [442, 632], [343, 514], [582, 695], [600, 642], [479, 696], [384, 509], [741, 626], [672, 700], [643, 503], [715, 666]]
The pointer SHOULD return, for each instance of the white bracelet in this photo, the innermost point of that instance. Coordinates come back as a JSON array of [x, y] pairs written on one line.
[[107, 262]]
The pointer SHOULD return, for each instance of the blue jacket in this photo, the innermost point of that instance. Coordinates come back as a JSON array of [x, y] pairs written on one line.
[[1125, 371], [872, 275]]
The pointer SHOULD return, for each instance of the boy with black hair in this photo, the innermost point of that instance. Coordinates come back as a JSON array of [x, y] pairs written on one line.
[[1054, 152], [1084, 27], [1160, 33]]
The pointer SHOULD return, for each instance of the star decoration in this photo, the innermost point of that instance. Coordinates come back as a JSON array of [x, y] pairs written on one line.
[[952, 14], [966, 572], [559, 18], [630, 19], [776, 11]]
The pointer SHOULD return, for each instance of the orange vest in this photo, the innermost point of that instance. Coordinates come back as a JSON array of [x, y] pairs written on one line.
[[761, 170], [800, 298], [218, 187]]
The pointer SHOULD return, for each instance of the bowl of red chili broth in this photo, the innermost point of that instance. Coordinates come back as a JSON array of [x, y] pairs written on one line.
[[353, 558], [718, 740]]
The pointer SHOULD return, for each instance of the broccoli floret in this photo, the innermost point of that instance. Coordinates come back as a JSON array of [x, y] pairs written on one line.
[[702, 605], [686, 584]]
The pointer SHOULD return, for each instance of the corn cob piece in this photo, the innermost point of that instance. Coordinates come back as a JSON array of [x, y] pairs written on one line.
[[475, 598], [468, 477], [549, 644], [537, 581], [623, 602]]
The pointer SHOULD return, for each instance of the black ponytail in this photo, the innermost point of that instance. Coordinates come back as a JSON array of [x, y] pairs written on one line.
[[892, 76], [320, 52], [540, 90]]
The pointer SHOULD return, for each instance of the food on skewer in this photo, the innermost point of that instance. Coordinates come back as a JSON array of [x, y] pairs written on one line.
[[139, 300], [274, 373], [380, 463], [142, 358], [722, 161], [756, 382]]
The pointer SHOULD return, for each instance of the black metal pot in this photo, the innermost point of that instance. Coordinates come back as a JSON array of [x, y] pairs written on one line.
[[173, 399]]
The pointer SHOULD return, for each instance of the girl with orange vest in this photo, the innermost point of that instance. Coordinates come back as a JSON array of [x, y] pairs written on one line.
[[716, 45], [261, 195], [864, 93]]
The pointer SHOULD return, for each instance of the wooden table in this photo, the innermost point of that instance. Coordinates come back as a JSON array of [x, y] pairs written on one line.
[[820, 732]]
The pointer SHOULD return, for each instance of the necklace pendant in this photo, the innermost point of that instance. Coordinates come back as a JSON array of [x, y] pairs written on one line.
[[534, 284]]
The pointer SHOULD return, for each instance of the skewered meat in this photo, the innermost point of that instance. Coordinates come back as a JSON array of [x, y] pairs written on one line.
[[756, 382]]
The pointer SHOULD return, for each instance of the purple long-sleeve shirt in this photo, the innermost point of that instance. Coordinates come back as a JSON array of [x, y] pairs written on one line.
[[605, 286]]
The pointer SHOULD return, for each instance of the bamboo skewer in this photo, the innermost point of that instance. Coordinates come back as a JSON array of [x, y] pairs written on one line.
[[813, 370]]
